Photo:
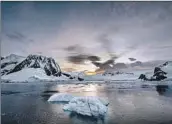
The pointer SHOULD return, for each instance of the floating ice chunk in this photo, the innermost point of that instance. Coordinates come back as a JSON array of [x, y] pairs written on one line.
[[60, 97], [90, 106]]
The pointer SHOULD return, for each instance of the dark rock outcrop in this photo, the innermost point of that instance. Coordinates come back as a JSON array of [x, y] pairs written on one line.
[[158, 75], [67, 75], [161, 89], [3, 65], [80, 79], [71, 77], [110, 73], [2, 58], [3, 72], [143, 77]]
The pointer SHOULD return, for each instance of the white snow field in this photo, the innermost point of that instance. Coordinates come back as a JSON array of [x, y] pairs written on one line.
[[30, 75], [60, 97], [89, 106], [38, 74], [12, 58]]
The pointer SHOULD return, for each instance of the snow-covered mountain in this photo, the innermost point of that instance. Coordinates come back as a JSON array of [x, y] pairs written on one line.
[[161, 72], [17, 68], [14, 63], [124, 75], [9, 62], [167, 68], [12, 58], [48, 64], [34, 67]]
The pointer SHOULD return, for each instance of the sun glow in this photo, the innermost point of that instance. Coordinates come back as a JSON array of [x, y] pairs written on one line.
[[90, 73], [66, 66]]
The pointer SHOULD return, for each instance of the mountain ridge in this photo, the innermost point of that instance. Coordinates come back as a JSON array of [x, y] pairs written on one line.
[[48, 64]]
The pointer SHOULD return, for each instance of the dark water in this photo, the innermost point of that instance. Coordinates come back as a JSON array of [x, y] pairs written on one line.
[[129, 104]]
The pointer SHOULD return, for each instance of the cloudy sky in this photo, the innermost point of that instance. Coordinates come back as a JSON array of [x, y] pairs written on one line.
[[71, 32]]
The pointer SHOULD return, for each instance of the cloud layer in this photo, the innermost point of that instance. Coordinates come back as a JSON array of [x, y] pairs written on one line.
[[95, 31]]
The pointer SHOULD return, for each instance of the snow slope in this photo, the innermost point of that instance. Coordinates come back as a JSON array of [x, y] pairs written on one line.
[[9, 62], [12, 58], [31, 74]]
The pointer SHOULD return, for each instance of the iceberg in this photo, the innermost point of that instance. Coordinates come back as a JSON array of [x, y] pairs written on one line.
[[60, 97], [89, 106]]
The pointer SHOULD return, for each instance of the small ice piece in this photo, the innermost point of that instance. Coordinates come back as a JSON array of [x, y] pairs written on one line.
[[89, 105], [104, 101], [60, 97]]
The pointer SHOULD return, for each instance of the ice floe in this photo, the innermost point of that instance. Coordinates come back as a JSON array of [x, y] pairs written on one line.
[[60, 97], [88, 105]]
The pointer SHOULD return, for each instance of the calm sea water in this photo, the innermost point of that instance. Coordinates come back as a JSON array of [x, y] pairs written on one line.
[[129, 104]]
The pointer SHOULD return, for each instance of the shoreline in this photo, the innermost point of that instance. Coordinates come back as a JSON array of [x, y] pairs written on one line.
[[167, 82]]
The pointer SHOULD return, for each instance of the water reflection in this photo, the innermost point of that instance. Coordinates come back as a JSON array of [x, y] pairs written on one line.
[[132, 105], [47, 93], [8, 92], [161, 89], [80, 89], [80, 119]]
